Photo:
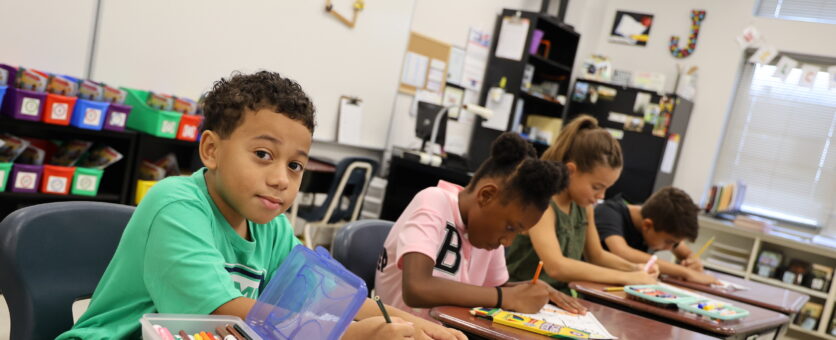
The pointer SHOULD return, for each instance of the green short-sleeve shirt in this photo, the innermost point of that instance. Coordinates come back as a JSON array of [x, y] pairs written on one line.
[[178, 254], [571, 233]]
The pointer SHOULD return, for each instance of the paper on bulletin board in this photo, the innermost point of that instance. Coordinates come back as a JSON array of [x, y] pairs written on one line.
[[671, 149], [476, 59], [455, 69], [512, 37], [436, 77], [351, 121], [415, 69], [501, 112]]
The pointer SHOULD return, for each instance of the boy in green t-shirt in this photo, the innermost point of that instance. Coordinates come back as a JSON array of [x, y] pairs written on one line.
[[209, 243]]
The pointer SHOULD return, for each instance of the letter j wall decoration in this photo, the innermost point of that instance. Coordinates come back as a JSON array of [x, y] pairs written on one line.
[[697, 16]]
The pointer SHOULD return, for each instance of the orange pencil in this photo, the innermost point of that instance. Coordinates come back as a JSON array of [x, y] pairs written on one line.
[[537, 273]]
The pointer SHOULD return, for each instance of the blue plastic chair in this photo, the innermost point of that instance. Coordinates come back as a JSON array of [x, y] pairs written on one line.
[[358, 245], [345, 197], [52, 255]]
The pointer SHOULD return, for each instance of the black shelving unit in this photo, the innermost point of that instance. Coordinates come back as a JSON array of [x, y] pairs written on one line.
[[643, 152], [554, 67], [118, 182]]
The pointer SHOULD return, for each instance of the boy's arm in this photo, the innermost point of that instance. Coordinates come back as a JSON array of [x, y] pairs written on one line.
[[596, 254], [686, 257], [423, 290], [619, 246], [427, 329], [544, 238], [239, 307]]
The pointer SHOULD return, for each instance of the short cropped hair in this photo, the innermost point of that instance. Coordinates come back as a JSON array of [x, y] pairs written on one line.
[[672, 211], [225, 104]]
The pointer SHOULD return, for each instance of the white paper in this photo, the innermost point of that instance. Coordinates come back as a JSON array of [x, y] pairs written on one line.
[[501, 112], [476, 59], [456, 69], [808, 75], [587, 322], [351, 122], [670, 155], [785, 65], [628, 27], [617, 117], [512, 37], [642, 99], [729, 285], [749, 37], [415, 69], [764, 55], [832, 71]]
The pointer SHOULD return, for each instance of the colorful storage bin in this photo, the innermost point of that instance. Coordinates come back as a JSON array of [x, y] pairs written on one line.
[[58, 109], [117, 117], [86, 181], [57, 179], [149, 120], [142, 188], [26, 178], [89, 114], [23, 104], [189, 127], [5, 170]]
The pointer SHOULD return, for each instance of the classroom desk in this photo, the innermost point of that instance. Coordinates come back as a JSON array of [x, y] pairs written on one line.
[[759, 322], [759, 294], [625, 326]]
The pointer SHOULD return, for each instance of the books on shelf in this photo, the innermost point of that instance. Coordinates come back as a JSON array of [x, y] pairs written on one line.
[[725, 197]]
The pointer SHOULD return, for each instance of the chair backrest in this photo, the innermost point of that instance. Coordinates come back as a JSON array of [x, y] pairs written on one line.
[[358, 245], [351, 180], [51, 255]]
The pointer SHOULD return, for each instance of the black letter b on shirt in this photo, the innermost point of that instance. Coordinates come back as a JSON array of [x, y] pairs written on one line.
[[450, 248]]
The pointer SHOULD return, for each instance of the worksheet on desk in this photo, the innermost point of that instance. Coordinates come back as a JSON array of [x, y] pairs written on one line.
[[587, 322]]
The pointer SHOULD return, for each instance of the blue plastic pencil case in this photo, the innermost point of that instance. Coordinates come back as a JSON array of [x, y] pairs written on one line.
[[311, 296], [658, 294]]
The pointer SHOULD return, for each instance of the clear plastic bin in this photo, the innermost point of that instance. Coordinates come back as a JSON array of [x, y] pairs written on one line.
[[190, 323], [311, 296]]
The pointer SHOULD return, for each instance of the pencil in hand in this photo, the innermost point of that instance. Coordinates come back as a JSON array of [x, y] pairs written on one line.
[[704, 247], [537, 273], [382, 309]]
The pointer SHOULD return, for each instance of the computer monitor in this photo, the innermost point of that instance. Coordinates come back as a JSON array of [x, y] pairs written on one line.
[[424, 123]]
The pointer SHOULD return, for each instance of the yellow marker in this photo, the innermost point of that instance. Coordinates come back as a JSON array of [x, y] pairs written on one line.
[[704, 247], [613, 289]]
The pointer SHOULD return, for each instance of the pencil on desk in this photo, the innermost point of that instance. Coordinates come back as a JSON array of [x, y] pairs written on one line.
[[382, 309], [613, 289], [704, 247], [537, 273]]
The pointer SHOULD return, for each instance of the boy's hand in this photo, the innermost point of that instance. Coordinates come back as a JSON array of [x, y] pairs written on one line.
[[525, 298], [376, 328], [653, 271], [432, 331], [564, 301], [693, 263], [700, 277]]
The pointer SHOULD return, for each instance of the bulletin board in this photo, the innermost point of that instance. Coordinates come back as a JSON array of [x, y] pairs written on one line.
[[424, 46]]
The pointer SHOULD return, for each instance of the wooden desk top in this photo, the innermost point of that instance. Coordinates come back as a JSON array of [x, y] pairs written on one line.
[[624, 325], [759, 319], [759, 294]]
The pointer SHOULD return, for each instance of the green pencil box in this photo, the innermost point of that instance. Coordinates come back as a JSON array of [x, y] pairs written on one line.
[[658, 294]]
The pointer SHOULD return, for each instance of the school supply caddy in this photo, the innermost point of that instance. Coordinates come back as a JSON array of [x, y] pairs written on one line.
[[311, 296], [669, 297]]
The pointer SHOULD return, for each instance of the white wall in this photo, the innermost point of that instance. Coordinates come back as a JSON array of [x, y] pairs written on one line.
[[53, 36], [718, 57]]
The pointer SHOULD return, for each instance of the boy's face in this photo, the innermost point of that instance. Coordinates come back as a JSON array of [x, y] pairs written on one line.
[[493, 224], [657, 240], [257, 169]]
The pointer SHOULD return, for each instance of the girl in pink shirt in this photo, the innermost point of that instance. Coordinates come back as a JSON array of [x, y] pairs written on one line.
[[446, 249]]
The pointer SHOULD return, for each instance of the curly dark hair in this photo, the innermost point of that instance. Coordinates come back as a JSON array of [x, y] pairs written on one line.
[[531, 180], [672, 211], [229, 98]]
